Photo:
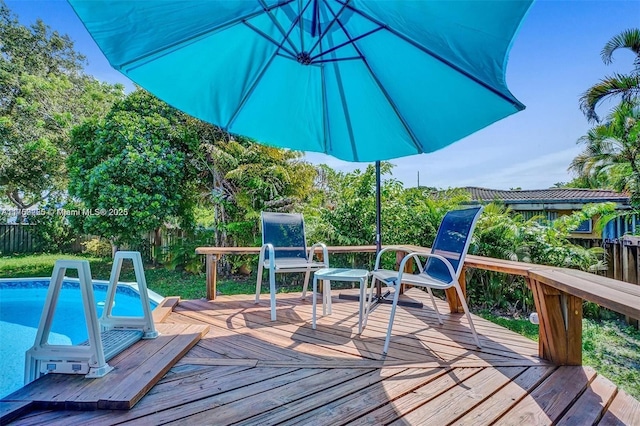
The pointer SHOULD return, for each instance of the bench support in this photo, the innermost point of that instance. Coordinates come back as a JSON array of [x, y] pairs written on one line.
[[560, 315], [211, 264]]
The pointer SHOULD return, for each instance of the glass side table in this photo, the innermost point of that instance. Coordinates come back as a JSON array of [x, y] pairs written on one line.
[[340, 274]]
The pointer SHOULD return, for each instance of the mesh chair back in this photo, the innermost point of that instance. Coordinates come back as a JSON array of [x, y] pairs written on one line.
[[452, 242], [285, 231]]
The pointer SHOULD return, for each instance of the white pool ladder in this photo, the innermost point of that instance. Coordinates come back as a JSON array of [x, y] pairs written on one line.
[[108, 336]]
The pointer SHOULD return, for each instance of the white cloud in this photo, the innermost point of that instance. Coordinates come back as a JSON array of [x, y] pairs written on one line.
[[456, 168]]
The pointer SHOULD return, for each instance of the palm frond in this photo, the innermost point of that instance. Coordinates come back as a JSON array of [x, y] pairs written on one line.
[[629, 39], [626, 86]]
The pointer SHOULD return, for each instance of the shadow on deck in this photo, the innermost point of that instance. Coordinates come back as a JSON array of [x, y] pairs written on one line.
[[249, 370]]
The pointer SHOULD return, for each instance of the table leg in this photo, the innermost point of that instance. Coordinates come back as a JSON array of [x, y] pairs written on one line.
[[328, 283], [326, 297], [363, 294]]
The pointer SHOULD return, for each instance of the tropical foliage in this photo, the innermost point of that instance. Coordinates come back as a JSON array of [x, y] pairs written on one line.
[[626, 86], [504, 235], [611, 156], [249, 178]]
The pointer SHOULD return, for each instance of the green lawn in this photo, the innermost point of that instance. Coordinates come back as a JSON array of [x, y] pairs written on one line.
[[160, 280], [611, 347]]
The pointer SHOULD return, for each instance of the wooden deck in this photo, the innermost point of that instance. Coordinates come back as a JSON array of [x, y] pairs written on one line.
[[249, 370]]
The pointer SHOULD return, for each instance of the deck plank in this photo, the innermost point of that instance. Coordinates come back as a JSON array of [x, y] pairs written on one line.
[[455, 403], [410, 401], [624, 410], [234, 403], [546, 403], [353, 406], [164, 309], [136, 370], [12, 410], [295, 396], [500, 402], [592, 403]]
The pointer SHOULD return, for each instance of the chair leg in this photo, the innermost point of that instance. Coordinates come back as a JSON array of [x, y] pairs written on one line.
[[306, 282], [391, 317], [259, 282], [463, 302], [435, 307], [314, 301], [272, 291]]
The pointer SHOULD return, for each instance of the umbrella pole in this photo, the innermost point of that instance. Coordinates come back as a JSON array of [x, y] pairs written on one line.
[[380, 298], [378, 225]]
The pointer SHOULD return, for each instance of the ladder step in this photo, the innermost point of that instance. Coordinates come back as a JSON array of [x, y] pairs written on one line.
[[116, 341]]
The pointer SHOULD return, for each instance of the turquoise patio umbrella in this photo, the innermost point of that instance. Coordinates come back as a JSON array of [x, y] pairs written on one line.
[[356, 79], [359, 80]]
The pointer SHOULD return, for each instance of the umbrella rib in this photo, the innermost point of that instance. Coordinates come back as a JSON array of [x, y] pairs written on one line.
[[252, 88], [429, 52], [346, 113], [165, 50], [349, 58], [326, 30], [414, 139], [266, 36], [278, 26], [328, 146], [302, 22], [351, 41]]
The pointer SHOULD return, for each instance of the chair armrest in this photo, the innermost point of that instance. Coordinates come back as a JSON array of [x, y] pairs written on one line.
[[416, 256], [386, 249], [272, 255], [325, 252]]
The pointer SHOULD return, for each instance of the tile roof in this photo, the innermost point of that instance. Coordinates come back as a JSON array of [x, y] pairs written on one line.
[[547, 195]]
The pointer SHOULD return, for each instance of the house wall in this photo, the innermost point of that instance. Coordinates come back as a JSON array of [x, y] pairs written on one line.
[[554, 213]]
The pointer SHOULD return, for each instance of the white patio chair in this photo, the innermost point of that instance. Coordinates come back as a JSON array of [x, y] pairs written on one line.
[[441, 267], [284, 249]]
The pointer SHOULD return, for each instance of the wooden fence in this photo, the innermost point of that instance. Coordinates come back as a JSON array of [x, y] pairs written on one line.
[[20, 239], [16, 238]]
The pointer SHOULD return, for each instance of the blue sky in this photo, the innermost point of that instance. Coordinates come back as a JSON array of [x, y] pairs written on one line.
[[554, 59]]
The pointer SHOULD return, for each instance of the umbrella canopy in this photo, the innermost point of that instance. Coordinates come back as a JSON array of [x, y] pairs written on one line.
[[359, 80]]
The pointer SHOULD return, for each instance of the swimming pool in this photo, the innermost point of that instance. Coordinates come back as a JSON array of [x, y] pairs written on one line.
[[21, 302]]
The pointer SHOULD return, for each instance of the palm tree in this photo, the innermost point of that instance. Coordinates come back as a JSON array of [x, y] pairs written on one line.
[[626, 86], [612, 152]]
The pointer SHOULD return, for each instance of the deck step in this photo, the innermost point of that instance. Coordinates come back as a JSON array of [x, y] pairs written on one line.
[[136, 370]]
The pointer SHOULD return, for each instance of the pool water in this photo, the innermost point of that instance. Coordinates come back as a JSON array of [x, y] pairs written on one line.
[[21, 303]]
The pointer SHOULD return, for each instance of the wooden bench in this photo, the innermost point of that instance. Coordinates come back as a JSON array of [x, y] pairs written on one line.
[[557, 292]]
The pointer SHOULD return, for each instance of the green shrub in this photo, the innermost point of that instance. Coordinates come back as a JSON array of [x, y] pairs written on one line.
[[98, 247], [52, 232], [181, 254]]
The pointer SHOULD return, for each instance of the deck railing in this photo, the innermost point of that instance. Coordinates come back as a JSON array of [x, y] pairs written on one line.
[[557, 292]]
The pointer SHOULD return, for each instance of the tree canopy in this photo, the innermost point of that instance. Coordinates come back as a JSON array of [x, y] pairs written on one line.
[[43, 94], [130, 169]]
